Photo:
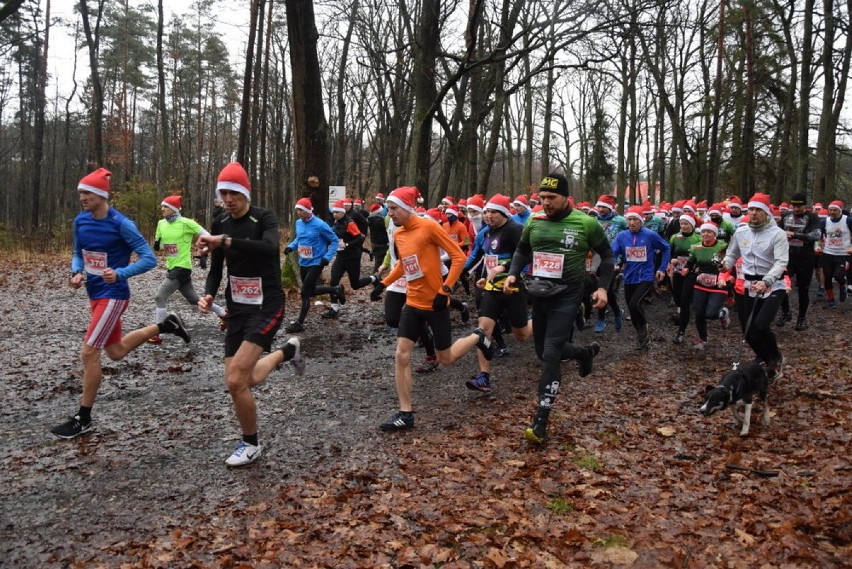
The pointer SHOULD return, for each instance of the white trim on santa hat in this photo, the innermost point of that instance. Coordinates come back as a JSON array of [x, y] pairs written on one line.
[[497, 207], [393, 199], [711, 226], [759, 205], [232, 187], [87, 188]]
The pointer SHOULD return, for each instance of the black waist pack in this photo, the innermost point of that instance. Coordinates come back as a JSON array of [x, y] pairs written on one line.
[[543, 288]]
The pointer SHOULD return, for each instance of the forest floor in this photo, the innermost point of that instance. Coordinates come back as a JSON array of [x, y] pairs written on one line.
[[632, 475]]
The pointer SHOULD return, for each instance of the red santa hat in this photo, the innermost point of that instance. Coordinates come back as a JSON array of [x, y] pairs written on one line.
[[710, 226], [380, 197], [634, 211], [534, 199], [305, 204], [836, 204], [735, 201], [434, 214], [96, 182], [338, 207], [499, 202], [521, 201], [677, 207], [715, 208], [462, 203], [173, 202], [234, 178], [375, 207], [448, 200], [647, 207], [689, 206], [451, 211], [760, 201], [476, 203], [606, 201], [405, 197], [688, 217]]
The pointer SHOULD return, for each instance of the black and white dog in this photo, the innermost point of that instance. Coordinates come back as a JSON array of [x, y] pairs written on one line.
[[738, 388]]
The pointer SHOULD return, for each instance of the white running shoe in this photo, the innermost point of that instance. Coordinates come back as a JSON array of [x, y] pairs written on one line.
[[244, 454], [297, 360]]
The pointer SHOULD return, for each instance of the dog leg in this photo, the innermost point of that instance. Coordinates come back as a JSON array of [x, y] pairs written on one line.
[[766, 411], [735, 411], [746, 420]]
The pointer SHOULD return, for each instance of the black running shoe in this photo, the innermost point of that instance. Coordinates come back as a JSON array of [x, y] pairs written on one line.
[[173, 324], [71, 428], [484, 344], [584, 364], [330, 313], [398, 422], [785, 317], [294, 327], [537, 432]]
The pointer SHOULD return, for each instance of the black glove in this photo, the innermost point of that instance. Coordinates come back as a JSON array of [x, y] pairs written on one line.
[[324, 262], [441, 302], [202, 261], [157, 245], [378, 288], [288, 250]]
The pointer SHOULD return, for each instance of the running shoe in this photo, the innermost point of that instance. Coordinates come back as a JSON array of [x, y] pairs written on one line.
[[330, 313], [585, 363], [293, 354], [644, 338], [501, 352], [725, 319], [294, 327], [679, 338], [71, 428], [173, 324], [830, 304], [465, 313], [537, 432], [155, 339], [485, 345], [801, 324], [785, 317], [699, 345], [244, 454], [600, 326], [399, 421], [479, 382], [618, 317], [821, 293], [428, 365]]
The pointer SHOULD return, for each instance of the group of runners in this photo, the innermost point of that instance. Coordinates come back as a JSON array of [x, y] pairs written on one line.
[[540, 265]]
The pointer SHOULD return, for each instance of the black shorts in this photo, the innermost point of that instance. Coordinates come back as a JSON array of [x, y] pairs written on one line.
[[257, 327], [411, 325], [493, 304]]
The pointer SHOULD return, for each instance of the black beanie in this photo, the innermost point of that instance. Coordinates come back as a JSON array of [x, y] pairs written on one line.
[[798, 198], [556, 183]]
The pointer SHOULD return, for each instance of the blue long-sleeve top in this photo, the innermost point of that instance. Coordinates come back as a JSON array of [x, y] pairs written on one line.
[[637, 252], [108, 243], [314, 241]]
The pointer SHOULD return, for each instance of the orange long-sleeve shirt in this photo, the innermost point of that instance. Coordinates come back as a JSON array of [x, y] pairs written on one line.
[[418, 244]]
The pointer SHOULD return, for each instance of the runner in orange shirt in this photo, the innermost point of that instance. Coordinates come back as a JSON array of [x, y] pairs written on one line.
[[418, 244]]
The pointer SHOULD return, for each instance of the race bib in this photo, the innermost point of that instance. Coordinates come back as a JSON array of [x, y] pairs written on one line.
[[490, 262], [411, 268], [679, 262], [170, 250], [637, 254], [834, 242], [547, 265], [95, 262], [706, 279], [246, 290], [306, 252]]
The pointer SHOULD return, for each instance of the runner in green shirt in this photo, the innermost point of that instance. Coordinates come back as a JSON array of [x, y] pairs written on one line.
[[175, 237]]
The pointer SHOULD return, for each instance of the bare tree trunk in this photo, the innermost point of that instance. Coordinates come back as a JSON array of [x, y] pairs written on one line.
[[164, 171], [310, 128], [38, 124], [339, 161], [254, 123], [248, 77], [802, 153], [96, 155], [424, 51], [717, 103], [784, 169], [824, 135]]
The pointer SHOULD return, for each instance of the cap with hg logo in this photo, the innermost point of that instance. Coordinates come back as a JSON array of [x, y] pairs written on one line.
[[556, 183]]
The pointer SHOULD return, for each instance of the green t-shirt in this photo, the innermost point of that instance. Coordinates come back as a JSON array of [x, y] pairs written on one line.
[[707, 259], [176, 238], [562, 243]]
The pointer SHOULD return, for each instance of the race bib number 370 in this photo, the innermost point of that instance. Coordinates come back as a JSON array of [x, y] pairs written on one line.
[[95, 262], [547, 265]]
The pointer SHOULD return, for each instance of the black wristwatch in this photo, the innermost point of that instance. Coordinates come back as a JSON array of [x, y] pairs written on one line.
[[446, 289]]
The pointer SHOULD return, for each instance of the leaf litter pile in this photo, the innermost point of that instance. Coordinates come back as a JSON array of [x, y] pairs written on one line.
[[632, 475]]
